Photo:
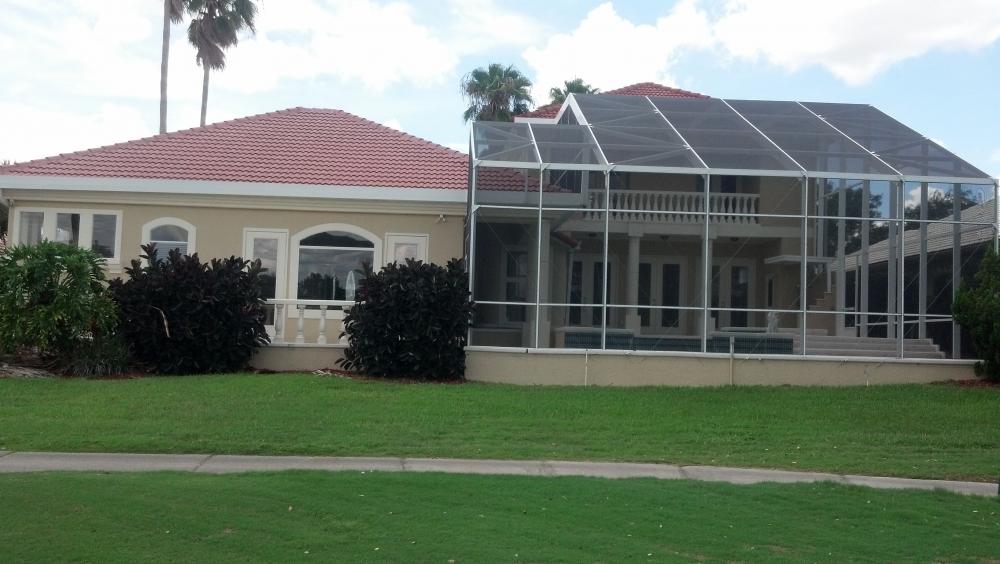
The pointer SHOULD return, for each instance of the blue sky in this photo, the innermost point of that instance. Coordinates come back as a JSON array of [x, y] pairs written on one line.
[[88, 74]]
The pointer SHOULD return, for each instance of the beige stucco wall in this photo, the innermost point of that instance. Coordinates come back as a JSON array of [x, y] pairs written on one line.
[[637, 369], [575, 368], [220, 222], [288, 358]]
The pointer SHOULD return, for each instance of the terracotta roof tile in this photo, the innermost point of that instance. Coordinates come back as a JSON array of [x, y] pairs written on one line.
[[293, 146], [640, 89]]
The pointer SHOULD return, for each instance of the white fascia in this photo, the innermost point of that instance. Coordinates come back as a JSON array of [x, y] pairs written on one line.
[[219, 188]]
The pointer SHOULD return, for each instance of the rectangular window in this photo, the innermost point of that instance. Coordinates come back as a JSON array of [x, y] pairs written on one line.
[[105, 232], [30, 232], [98, 231], [516, 285], [68, 228], [402, 246]]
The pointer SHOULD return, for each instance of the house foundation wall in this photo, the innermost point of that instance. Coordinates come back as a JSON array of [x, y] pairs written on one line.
[[579, 368]]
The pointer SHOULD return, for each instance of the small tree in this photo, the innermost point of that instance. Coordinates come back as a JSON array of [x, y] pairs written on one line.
[[183, 316], [977, 308], [410, 321], [53, 301]]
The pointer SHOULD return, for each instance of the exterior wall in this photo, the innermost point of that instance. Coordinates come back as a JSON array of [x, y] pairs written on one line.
[[291, 358], [220, 224], [613, 368]]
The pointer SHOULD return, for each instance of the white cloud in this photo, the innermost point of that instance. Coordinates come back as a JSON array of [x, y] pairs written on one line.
[[995, 155], [480, 25], [609, 51], [853, 39]]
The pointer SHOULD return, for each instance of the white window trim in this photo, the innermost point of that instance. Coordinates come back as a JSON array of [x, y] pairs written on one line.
[[281, 274], [192, 232], [86, 226], [293, 261], [421, 240]]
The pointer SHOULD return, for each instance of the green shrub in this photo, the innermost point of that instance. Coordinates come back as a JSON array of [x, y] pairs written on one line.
[[53, 301], [410, 321], [977, 308], [183, 316], [104, 355]]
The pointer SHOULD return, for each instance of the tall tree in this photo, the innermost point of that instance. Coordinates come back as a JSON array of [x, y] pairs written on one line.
[[575, 86], [173, 12], [496, 93], [215, 26]]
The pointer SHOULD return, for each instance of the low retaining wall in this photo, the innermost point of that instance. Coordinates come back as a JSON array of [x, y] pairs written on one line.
[[288, 357], [554, 367], [617, 368]]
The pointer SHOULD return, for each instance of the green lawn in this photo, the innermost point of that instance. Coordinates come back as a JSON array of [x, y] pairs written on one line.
[[917, 431], [354, 517]]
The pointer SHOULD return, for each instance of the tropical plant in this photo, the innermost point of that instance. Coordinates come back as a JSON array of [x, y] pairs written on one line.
[[977, 309], [173, 12], [410, 321], [215, 27], [496, 93], [53, 301], [183, 316], [575, 86]]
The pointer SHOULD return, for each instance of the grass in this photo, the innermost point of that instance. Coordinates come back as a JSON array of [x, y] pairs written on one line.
[[915, 431], [353, 517]]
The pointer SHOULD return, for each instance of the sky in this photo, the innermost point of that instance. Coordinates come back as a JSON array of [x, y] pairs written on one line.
[[87, 74]]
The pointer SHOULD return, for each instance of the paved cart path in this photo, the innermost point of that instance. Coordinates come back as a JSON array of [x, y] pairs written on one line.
[[226, 463]]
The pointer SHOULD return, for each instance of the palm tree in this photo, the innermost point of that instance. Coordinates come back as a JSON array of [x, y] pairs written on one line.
[[215, 27], [575, 86], [173, 12], [496, 93]]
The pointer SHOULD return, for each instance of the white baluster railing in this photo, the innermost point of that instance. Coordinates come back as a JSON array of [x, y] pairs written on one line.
[[305, 312], [646, 206]]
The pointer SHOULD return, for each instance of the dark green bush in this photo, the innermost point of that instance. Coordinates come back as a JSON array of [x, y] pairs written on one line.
[[104, 355], [977, 308], [183, 316], [410, 321], [53, 301]]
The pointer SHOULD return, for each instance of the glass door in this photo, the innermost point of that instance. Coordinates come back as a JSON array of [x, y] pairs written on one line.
[[271, 248], [732, 288], [661, 283]]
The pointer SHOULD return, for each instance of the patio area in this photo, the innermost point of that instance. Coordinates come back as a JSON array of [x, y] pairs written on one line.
[[722, 226]]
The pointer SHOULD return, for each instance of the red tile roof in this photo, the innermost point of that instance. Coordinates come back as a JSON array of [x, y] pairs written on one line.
[[640, 89], [293, 146]]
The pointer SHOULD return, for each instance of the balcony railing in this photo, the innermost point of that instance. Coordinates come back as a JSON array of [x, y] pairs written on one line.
[[658, 206], [329, 313]]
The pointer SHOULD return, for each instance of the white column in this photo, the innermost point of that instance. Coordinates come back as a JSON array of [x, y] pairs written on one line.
[[632, 320]]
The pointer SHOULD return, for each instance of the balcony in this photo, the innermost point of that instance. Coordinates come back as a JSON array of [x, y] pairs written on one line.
[[658, 206]]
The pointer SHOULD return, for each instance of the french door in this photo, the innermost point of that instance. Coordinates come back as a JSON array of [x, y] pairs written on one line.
[[270, 246], [661, 283], [586, 282], [732, 288]]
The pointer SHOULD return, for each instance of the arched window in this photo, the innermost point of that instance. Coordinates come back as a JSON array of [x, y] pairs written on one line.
[[328, 261], [169, 233]]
